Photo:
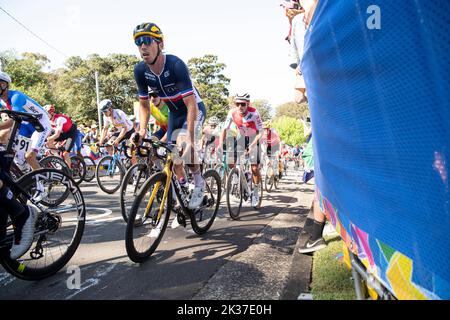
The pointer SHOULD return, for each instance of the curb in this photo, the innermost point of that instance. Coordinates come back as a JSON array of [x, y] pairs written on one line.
[[271, 268]]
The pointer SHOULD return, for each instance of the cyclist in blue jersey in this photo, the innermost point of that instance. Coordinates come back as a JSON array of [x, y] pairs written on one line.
[[168, 79], [22, 216], [17, 101]]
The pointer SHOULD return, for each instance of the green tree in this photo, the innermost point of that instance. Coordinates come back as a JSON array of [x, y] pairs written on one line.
[[264, 108], [293, 110], [206, 72], [76, 84], [290, 130], [28, 75]]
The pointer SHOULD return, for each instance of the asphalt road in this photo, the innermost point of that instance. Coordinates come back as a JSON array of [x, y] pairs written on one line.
[[180, 267]]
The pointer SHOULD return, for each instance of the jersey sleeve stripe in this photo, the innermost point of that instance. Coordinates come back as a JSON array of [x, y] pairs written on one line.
[[187, 93]]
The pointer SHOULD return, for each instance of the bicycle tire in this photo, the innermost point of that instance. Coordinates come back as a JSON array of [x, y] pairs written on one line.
[[32, 272], [269, 180], [77, 168], [101, 184], [209, 201], [90, 169], [57, 163], [220, 169], [133, 253], [125, 186], [234, 214]]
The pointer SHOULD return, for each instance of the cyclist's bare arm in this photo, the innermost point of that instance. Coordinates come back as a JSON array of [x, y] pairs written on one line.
[[257, 138], [122, 134], [144, 116], [103, 135], [56, 135]]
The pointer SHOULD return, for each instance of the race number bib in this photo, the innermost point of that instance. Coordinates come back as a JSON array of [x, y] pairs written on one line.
[[23, 144]]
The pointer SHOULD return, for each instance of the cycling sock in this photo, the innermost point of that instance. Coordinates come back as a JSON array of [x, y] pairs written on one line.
[[10, 204], [198, 179], [317, 230]]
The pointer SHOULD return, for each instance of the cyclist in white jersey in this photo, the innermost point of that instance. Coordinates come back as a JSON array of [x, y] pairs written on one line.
[[119, 120]]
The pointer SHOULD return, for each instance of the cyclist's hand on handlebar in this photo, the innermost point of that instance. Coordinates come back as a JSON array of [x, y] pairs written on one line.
[[136, 139]]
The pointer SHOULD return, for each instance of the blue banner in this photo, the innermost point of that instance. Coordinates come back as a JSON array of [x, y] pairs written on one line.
[[378, 82]]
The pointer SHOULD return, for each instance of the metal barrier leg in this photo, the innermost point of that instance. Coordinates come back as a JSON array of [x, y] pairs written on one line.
[[360, 291]]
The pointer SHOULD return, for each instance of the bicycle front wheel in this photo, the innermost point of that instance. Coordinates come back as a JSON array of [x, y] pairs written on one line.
[[133, 180], [109, 174], [269, 180], [58, 229], [145, 226], [234, 193], [203, 217], [223, 173]]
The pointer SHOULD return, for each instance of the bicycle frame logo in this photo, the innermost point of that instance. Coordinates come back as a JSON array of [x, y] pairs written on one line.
[[55, 176]]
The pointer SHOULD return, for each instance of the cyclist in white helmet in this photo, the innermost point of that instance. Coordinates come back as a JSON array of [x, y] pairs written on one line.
[[210, 138], [120, 121], [18, 101]]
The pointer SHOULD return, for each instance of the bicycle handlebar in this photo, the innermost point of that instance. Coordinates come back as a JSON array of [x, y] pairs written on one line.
[[23, 116]]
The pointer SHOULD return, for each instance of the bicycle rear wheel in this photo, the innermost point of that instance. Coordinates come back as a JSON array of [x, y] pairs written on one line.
[[78, 168], [234, 193], [90, 169], [203, 217], [144, 228], [58, 229], [109, 174], [133, 180]]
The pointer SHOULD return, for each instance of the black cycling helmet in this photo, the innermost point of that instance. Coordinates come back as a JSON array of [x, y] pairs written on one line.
[[149, 29]]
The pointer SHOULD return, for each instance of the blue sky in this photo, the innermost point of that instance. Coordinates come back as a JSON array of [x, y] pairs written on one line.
[[246, 35]]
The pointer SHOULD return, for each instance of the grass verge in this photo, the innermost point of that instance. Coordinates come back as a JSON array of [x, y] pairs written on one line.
[[331, 280]]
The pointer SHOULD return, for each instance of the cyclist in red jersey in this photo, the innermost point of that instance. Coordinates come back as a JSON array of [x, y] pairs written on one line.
[[250, 127], [64, 130]]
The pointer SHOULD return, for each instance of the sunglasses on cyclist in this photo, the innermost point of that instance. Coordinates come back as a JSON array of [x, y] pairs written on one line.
[[241, 104], [147, 40]]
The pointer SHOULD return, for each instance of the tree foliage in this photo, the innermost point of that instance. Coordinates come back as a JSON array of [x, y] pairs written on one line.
[[76, 84], [290, 130], [264, 108], [28, 75], [293, 110], [206, 72], [72, 88]]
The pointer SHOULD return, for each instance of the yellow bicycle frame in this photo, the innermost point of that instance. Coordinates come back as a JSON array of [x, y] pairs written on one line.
[[168, 171]]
